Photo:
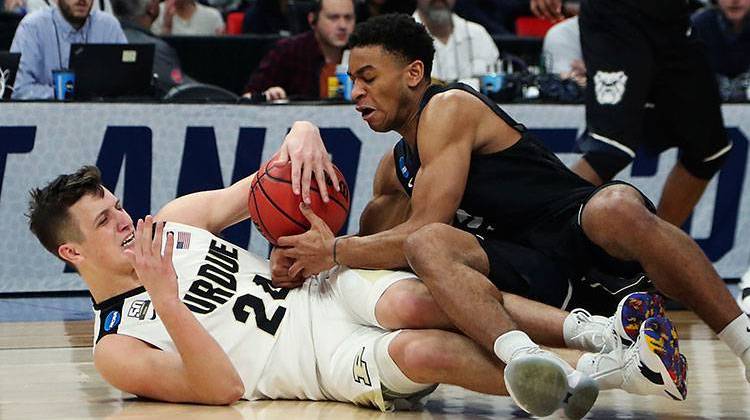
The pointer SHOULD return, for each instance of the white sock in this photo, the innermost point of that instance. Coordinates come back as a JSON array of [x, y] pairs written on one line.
[[509, 343], [736, 335], [587, 364]]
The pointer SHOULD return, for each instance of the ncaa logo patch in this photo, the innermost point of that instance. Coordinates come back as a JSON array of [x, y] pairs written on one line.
[[402, 164], [112, 321], [609, 86]]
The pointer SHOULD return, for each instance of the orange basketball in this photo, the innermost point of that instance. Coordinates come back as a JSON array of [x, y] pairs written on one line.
[[275, 209]]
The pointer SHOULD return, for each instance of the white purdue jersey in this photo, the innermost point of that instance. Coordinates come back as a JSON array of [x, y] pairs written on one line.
[[321, 341], [228, 290]]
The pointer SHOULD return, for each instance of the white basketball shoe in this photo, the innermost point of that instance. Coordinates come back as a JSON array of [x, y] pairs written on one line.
[[540, 382], [652, 365]]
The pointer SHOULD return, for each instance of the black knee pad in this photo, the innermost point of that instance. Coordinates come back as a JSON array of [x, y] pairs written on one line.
[[607, 165], [607, 157], [705, 168]]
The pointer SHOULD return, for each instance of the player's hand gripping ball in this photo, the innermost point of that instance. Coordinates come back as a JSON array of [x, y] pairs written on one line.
[[275, 209]]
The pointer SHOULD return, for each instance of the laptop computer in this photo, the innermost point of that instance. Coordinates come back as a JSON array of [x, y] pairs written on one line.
[[8, 69], [112, 70]]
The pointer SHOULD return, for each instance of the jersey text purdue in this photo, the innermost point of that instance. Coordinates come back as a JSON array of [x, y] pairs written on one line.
[[216, 282]]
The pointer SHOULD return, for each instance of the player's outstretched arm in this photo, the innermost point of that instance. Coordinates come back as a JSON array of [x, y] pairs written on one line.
[[200, 372], [218, 209], [445, 149]]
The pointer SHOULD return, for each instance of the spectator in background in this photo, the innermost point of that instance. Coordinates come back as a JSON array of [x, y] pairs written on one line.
[[463, 49], [725, 28], [44, 39], [561, 51], [30, 6], [298, 66], [369, 8], [187, 17], [136, 17]]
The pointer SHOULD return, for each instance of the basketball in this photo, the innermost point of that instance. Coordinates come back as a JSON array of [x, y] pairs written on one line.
[[274, 208]]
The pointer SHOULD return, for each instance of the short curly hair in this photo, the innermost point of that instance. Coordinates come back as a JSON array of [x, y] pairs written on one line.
[[49, 218], [398, 34]]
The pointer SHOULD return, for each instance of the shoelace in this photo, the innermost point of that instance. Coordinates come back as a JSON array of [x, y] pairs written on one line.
[[527, 350], [602, 336], [630, 356]]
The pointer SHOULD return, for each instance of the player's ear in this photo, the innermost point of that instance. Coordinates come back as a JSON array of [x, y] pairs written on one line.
[[69, 252], [414, 73]]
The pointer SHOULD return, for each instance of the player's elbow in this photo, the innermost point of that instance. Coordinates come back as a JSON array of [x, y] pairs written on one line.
[[230, 394]]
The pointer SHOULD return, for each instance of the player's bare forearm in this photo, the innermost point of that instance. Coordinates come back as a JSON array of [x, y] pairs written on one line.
[[208, 371], [384, 212], [383, 250]]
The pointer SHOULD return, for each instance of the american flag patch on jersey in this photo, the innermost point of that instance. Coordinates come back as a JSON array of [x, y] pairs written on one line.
[[183, 240]]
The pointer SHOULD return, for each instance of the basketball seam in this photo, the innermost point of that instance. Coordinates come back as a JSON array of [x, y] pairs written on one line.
[[255, 202], [284, 213]]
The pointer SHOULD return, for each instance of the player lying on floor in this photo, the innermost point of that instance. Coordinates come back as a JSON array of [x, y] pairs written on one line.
[[189, 317]]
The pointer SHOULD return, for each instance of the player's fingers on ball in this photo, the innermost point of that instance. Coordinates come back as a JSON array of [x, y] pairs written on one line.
[[296, 175], [332, 175], [315, 221], [306, 177], [320, 177], [296, 269], [286, 241]]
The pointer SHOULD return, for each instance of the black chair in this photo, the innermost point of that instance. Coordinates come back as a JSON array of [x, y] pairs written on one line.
[[200, 93], [225, 61]]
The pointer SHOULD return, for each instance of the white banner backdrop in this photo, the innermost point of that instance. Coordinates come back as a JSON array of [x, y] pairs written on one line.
[[151, 153]]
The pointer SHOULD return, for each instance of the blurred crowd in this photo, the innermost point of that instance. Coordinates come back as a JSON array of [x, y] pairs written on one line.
[[314, 34]]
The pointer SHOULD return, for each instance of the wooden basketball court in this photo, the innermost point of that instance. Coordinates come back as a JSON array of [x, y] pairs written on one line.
[[47, 373]]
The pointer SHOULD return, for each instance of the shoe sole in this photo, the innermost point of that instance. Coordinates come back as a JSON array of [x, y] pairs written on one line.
[[633, 310], [660, 353], [581, 398], [537, 384]]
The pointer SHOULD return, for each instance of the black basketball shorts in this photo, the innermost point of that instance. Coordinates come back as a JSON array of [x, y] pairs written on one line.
[[649, 83], [555, 263]]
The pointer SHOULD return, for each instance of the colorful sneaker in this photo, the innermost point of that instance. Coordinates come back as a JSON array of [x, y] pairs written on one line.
[[540, 382], [632, 311], [596, 333], [653, 365]]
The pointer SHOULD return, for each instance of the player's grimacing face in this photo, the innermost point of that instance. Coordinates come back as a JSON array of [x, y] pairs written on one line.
[[378, 86], [106, 229]]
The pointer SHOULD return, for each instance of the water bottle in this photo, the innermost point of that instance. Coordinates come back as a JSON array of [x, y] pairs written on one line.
[[345, 83]]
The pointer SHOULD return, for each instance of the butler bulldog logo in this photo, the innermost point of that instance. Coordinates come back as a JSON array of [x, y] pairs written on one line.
[[609, 86]]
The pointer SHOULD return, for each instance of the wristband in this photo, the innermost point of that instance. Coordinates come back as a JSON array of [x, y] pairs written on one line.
[[335, 242]]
